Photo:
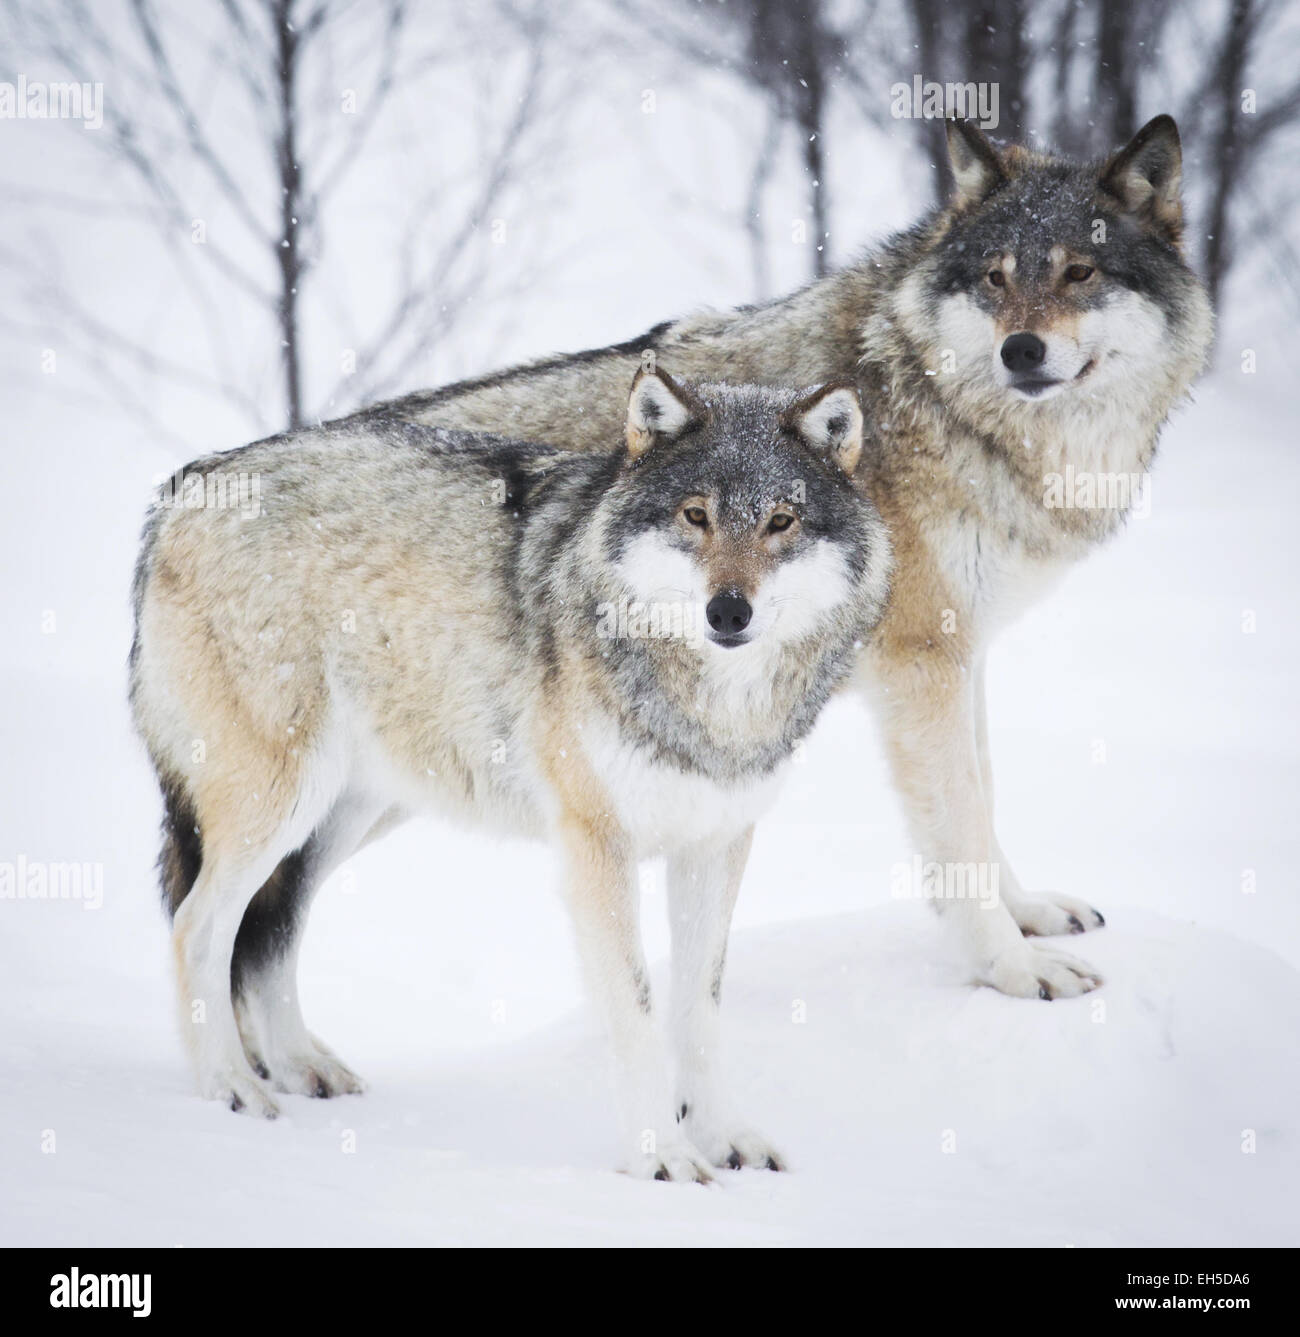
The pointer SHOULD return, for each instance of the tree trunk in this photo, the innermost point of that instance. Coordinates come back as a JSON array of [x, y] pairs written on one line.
[[1227, 144], [288, 176], [1116, 74], [810, 125], [925, 32], [754, 207]]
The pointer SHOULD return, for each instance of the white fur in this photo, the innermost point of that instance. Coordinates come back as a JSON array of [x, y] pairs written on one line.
[[793, 601], [1122, 339], [657, 571], [663, 808], [654, 408], [834, 424], [789, 604]]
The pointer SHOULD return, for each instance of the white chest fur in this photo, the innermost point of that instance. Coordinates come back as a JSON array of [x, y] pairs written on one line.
[[663, 808], [997, 579]]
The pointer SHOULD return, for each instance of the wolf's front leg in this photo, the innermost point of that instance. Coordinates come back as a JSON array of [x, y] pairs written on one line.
[[702, 885], [928, 714], [1038, 913], [601, 877]]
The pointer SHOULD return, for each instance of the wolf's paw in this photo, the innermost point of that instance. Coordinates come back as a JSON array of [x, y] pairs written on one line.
[[731, 1147], [240, 1090], [1041, 972], [315, 1072], [677, 1161], [1048, 913]]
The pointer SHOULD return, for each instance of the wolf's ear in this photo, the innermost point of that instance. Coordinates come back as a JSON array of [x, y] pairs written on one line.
[[658, 410], [830, 419], [1146, 176], [976, 167]]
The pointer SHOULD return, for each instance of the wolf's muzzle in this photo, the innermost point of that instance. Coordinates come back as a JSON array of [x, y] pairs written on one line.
[[1023, 352]]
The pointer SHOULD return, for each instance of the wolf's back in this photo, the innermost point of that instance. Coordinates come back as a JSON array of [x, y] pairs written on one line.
[[577, 400]]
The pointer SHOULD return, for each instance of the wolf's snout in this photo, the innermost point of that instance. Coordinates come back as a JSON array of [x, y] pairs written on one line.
[[1023, 352], [728, 614]]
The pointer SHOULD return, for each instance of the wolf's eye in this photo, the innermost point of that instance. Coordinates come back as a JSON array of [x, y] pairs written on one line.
[[781, 520], [997, 278], [696, 515], [1078, 273]]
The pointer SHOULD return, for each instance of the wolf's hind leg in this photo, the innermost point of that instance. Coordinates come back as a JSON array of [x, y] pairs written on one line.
[[203, 941], [265, 986], [702, 886], [264, 971], [1038, 914]]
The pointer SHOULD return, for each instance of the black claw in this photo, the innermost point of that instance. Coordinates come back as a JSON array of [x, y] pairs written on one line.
[[262, 1070], [235, 1103], [661, 1174], [681, 1113], [1044, 991], [771, 1164], [1076, 924], [735, 1160], [1101, 919], [320, 1091]]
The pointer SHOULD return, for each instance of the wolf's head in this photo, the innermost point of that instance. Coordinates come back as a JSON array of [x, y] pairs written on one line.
[[1057, 281], [736, 504]]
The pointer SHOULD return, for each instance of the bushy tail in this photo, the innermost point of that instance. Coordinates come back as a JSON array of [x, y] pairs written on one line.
[[182, 849]]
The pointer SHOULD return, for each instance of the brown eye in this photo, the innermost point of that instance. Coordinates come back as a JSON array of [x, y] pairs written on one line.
[[997, 278], [781, 520], [1078, 273], [696, 515]]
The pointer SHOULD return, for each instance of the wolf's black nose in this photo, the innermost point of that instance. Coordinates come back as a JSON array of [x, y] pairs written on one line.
[[728, 613], [1023, 352]]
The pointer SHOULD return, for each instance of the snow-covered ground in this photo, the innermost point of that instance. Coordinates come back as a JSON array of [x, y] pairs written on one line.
[[1145, 744]]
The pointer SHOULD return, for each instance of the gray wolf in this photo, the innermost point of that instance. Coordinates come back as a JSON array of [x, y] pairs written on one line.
[[1041, 326], [422, 619]]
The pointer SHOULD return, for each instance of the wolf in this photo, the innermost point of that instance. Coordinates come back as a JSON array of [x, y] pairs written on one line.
[[421, 619], [1041, 325]]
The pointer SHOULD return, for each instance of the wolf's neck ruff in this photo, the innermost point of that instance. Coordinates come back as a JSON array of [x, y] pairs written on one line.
[[723, 717]]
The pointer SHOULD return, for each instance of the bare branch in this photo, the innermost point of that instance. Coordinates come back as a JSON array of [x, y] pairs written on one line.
[[189, 121]]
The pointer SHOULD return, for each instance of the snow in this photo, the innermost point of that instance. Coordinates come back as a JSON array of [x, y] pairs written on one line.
[[1146, 757]]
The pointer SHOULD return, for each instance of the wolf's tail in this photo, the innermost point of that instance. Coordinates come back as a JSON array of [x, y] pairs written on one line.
[[182, 848]]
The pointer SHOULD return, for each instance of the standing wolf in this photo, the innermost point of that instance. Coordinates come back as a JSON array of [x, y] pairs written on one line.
[[422, 619], [1035, 332]]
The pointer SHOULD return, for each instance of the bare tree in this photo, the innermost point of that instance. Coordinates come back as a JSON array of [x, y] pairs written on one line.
[[995, 51], [791, 55], [924, 15], [791, 50], [276, 62], [990, 46], [1095, 62], [1232, 117]]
